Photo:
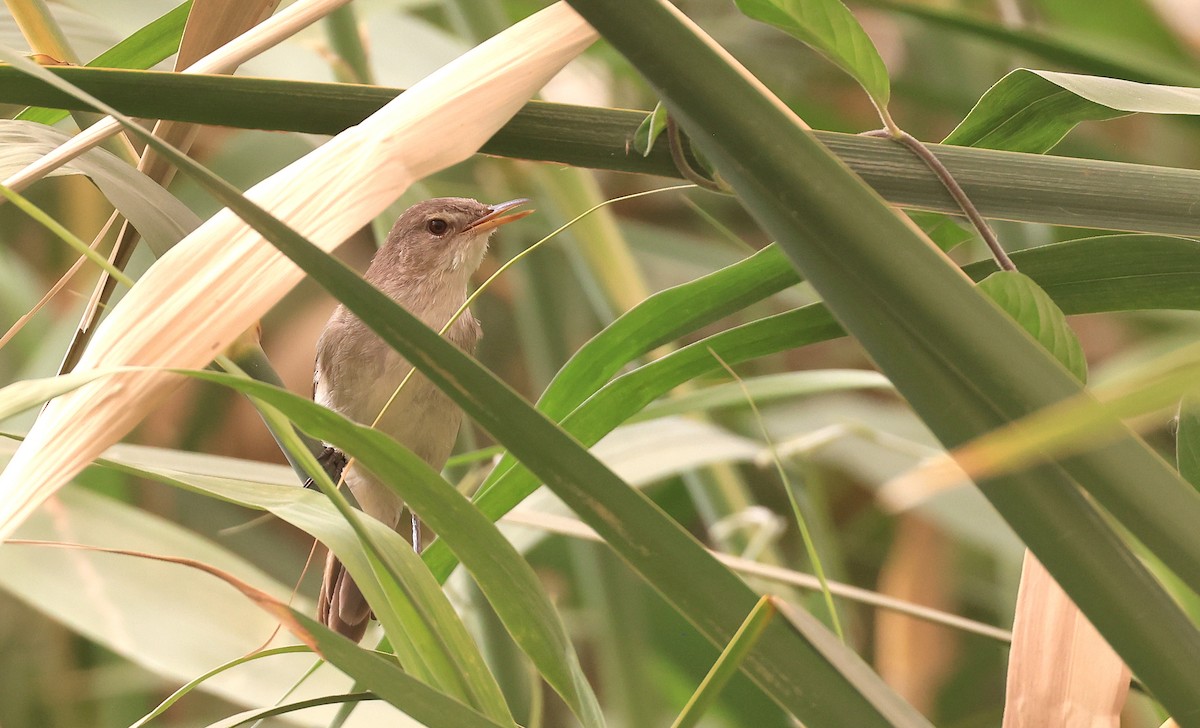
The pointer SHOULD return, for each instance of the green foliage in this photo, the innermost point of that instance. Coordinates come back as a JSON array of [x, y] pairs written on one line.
[[623, 322], [1036, 312], [830, 28]]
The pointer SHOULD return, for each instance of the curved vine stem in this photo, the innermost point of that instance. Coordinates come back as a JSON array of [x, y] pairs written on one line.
[[675, 141], [956, 191]]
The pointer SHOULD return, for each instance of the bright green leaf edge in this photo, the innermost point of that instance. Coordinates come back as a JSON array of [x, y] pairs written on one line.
[[1031, 111]]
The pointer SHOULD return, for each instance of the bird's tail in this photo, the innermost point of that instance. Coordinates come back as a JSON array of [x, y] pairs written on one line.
[[341, 605]]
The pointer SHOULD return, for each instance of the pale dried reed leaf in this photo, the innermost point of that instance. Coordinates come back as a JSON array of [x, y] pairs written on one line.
[[210, 25], [1061, 672], [220, 279]]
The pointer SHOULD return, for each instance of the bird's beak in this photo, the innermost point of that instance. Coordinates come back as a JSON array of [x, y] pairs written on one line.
[[496, 217]]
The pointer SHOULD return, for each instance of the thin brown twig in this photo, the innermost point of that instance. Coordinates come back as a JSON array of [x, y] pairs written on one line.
[[60, 284], [956, 191], [269, 603]]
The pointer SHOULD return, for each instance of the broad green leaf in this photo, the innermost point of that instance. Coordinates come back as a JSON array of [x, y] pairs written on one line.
[[1112, 273], [1057, 191], [963, 365], [649, 130], [1187, 440], [144, 48], [831, 29], [1031, 111], [1036, 312], [1086, 55]]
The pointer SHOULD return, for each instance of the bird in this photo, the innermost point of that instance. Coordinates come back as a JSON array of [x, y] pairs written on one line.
[[425, 265]]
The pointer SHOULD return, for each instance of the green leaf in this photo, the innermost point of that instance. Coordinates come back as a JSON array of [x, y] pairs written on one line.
[[1031, 111], [388, 681], [251, 717], [24, 395], [649, 130], [1027, 188], [1187, 440], [941, 229], [1090, 56], [1037, 313], [963, 365], [727, 664], [145, 47], [831, 29]]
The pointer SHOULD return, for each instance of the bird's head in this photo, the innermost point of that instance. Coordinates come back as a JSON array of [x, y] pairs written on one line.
[[447, 235]]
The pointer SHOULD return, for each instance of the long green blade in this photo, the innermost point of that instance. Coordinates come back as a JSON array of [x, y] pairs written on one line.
[[962, 364], [1003, 185]]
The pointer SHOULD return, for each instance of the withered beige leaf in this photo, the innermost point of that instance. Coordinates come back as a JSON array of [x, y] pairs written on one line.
[[203, 293], [1061, 672]]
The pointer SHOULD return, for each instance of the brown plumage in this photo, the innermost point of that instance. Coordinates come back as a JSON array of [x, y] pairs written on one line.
[[425, 266]]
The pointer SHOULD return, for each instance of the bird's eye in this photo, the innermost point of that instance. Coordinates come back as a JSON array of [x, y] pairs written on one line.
[[437, 226]]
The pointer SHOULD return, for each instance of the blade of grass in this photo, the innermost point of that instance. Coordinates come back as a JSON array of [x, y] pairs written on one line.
[[810, 548], [727, 663], [174, 697]]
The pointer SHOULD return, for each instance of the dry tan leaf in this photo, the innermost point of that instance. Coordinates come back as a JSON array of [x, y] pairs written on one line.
[[220, 279], [914, 656], [210, 24], [1061, 672]]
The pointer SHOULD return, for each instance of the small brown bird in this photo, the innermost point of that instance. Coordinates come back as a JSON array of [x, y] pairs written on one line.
[[425, 266]]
